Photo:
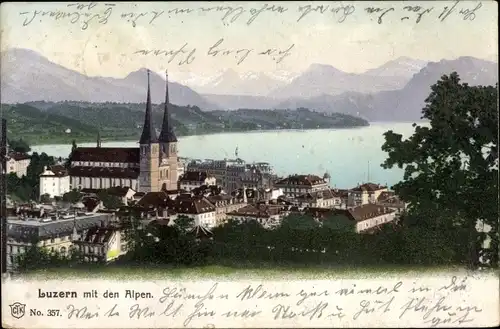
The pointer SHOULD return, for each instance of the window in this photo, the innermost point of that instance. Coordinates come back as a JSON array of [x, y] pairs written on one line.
[[52, 240]]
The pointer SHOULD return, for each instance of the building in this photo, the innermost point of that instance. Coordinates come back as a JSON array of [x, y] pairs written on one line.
[[224, 204], [151, 167], [195, 179], [54, 181], [390, 200], [102, 244], [364, 194], [366, 218], [55, 232], [257, 176], [370, 216], [342, 195], [269, 216], [125, 194], [296, 185], [17, 163], [319, 199], [232, 174], [198, 208]]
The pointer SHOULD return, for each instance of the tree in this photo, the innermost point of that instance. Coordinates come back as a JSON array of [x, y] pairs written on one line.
[[39, 258], [28, 187], [72, 196], [184, 223], [451, 168], [37, 164], [300, 222], [45, 198], [19, 145], [109, 201], [67, 163]]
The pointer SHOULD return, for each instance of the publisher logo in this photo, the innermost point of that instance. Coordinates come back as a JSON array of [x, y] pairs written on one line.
[[17, 310]]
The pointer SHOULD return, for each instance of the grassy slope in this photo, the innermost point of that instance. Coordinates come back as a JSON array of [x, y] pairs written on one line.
[[230, 272]]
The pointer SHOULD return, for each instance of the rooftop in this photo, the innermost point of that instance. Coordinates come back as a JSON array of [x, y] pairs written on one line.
[[104, 172], [26, 230], [368, 187], [106, 154], [18, 156], [193, 205], [258, 211], [194, 176], [307, 180]]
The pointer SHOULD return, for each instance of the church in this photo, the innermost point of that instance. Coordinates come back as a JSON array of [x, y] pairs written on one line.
[[151, 167]]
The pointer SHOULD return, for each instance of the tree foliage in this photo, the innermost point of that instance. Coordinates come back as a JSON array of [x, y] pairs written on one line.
[[451, 167], [109, 201], [19, 145], [28, 187], [72, 196]]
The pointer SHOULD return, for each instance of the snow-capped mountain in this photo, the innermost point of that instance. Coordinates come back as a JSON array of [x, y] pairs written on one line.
[[230, 82], [400, 67]]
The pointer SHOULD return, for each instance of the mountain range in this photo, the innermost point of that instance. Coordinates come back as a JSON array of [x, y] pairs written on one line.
[[394, 91], [28, 76], [230, 82], [404, 104]]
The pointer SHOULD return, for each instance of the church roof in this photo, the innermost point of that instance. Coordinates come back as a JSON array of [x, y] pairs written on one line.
[[148, 135], [167, 134], [106, 154], [104, 172]]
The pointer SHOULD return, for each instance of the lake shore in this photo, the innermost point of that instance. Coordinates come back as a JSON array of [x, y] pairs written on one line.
[[82, 140], [350, 156]]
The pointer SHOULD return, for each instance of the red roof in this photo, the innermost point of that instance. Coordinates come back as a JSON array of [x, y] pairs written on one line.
[[154, 200], [17, 156], [368, 187], [58, 170], [106, 154], [105, 172], [193, 205]]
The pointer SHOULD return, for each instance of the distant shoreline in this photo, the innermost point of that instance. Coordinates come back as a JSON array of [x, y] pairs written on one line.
[[69, 139]]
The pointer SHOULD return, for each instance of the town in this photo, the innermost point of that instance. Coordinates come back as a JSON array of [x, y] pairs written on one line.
[[84, 199]]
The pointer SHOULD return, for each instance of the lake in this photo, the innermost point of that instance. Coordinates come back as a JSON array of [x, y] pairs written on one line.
[[351, 156]]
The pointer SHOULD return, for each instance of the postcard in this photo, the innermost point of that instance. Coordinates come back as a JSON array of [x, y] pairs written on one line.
[[291, 164]]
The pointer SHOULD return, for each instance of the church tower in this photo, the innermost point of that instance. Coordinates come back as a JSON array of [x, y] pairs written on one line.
[[168, 149], [149, 151]]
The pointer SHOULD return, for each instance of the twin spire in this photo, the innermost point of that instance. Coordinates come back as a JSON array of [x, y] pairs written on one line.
[[148, 135]]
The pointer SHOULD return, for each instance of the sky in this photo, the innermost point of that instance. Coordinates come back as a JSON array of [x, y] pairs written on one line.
[[344, 35]]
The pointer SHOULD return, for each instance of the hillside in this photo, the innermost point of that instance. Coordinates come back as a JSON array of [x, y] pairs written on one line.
[[36, 126], [301, 118], [46, 122]]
